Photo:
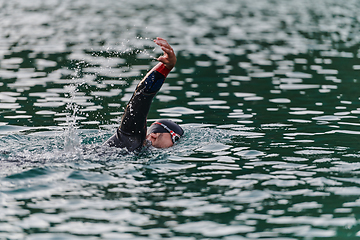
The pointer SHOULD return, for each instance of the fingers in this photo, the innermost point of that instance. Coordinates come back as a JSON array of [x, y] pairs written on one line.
[[162, 42], [165, 46], [169, 51], [169, 57]]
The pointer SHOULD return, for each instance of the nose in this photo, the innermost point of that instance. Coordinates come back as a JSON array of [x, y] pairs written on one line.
[[152, 137]]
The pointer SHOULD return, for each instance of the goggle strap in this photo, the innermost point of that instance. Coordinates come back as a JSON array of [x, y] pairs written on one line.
[[172, 133]]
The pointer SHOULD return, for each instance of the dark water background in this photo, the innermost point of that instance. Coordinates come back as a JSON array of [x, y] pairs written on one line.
[[266, 90]]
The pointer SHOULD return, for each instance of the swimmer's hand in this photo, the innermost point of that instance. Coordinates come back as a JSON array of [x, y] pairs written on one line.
[[168, 58]]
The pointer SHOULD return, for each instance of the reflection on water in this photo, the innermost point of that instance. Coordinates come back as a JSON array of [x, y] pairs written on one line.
[[265, 90]]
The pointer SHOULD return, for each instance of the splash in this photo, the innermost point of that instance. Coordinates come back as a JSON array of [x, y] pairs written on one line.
[[71, 137]]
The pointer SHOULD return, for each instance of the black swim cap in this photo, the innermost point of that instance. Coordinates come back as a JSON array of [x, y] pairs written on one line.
[[166, 126]]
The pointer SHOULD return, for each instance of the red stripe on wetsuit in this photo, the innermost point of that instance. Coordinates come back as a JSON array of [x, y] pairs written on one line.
[[161, 68]]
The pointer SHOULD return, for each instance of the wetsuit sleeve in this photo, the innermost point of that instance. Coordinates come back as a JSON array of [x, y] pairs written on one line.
[[134, 118]]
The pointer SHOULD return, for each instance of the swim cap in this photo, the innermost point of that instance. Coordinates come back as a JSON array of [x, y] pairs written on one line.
[[166, 126]]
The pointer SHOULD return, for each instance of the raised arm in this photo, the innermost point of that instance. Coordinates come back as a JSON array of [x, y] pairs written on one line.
[[132, 131]]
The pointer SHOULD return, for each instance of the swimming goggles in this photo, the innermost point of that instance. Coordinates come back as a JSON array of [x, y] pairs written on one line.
[[174, 135]]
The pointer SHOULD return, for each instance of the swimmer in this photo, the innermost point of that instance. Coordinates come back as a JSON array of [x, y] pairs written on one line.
[[133, 133]]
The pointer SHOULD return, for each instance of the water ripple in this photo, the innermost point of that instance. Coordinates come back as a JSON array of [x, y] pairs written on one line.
[[266, 92]]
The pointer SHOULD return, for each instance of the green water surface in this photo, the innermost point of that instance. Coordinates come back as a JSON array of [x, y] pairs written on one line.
[[266, 91]]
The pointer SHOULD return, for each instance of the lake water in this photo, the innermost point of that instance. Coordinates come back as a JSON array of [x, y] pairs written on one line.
[[267, 92]]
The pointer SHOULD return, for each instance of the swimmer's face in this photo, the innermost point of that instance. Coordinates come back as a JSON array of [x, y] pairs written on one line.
[[160, 140]]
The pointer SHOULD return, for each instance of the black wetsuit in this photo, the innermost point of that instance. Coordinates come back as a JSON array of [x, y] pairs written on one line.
[[132, 131]]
